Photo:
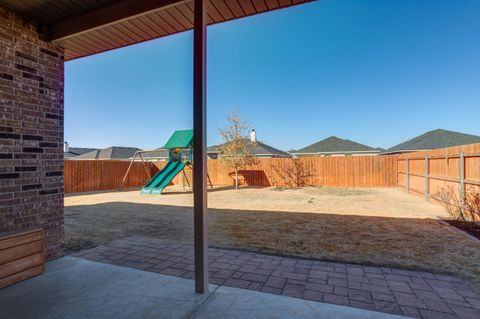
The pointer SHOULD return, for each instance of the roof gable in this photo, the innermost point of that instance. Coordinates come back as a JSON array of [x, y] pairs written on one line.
[[335, 144], [258, 148], [113, 152], [435, 139]]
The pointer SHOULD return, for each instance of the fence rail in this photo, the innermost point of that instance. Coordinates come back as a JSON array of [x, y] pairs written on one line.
[[426, 173]]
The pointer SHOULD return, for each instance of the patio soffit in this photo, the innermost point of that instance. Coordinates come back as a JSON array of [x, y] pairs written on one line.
[[86, 27]]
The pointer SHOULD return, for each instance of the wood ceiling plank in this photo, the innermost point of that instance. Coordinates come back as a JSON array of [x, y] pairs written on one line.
[[148, 20], [185, 10], [247, 7], [170, 20], [285, 3], [180, 17], [164, 24], [223, 9], [260, 5], [272, 4], [235, 8], [114, 13]]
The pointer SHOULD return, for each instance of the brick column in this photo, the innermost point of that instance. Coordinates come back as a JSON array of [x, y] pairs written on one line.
[[31, 131]]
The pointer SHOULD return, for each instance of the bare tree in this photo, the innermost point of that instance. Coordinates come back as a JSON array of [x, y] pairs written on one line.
[[235, 150]]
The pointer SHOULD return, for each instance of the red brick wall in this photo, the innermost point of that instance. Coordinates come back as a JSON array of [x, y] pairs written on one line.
[[31, 132]]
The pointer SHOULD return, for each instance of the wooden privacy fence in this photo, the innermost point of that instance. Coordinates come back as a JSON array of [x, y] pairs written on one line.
[[426, 173], [351, 171], [423, 173], [98, 175]]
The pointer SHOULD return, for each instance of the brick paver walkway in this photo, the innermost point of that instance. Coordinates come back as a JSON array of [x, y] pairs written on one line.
[[409, 293]]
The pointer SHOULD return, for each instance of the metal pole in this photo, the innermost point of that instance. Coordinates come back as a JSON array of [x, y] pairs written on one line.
[[427, 195], [200, 217], [462, 179], [406, 175]]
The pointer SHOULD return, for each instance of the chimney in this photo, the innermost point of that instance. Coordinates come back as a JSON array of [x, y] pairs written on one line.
[[66, 148], [253, 136]]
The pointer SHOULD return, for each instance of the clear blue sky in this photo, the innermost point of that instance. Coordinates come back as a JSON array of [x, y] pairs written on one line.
[[374, 71]]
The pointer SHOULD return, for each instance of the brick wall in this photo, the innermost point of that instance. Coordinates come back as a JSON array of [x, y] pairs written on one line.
[[31, 132]]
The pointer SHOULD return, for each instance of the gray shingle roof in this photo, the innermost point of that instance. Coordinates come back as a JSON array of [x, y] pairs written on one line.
[[155, 154], [435, 139], [75, 151], [334, 144], [256, 149], [113, 152]]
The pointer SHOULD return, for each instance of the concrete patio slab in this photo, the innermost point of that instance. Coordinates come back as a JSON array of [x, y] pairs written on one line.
[[76, 288], [227, 302]]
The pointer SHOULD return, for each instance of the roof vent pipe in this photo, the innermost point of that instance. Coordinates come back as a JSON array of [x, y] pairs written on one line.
[[66, 148]]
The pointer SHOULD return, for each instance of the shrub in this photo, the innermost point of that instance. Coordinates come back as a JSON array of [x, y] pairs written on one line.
[[466, 209], [472, 206], [450, 199]]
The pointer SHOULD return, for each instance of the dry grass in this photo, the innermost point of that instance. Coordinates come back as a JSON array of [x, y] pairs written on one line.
[[382, 227]]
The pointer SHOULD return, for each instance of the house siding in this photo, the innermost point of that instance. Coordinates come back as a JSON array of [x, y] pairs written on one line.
[[31, 132]]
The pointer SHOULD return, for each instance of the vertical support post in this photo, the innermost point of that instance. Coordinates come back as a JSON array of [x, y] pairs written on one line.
[[426, 190], [462, 180], [200, 217], [406, 175], [446, 169]]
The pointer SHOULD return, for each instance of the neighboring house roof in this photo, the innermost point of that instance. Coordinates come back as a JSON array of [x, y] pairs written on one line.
[[75, 151], [180, 139], [154, 154], [113, 152], [334, 144], [258, 149], [435, 139]]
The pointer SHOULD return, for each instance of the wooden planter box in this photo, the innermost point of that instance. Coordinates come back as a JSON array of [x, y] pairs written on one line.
[[21, 256]]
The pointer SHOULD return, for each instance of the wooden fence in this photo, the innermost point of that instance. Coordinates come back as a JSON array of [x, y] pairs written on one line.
[[351, 171], [426, 173], [423, 173], [98, 175], [354, 171]]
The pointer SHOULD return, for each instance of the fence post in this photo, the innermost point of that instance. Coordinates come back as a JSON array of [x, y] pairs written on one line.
[[462, 179], [427, 190], [406, 175]]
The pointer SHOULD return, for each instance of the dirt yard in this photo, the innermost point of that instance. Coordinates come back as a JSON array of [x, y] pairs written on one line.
[[383, 227]]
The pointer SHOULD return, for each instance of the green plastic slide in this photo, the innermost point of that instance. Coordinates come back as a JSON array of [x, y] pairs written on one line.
[[163, 178]]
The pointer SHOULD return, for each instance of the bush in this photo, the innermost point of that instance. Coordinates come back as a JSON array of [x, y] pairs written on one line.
[[472, 206], [467, 210]]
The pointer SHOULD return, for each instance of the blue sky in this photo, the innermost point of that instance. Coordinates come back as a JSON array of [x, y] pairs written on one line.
[[374, 71]]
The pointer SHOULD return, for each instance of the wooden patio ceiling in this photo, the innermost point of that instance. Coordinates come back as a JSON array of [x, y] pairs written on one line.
[[86, 27]]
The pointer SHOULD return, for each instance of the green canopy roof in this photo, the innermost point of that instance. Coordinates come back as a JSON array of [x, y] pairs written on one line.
[[180, 139]]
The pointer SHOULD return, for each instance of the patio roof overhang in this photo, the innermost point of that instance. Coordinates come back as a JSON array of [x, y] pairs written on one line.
[[86, 27]]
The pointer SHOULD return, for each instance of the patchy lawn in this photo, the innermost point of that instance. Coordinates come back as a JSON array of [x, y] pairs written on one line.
[[383, 227]]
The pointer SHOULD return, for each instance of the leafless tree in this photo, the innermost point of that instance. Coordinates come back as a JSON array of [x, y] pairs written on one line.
[[234, 152]]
